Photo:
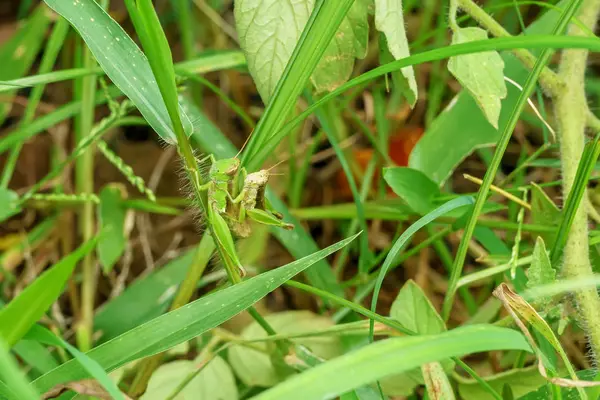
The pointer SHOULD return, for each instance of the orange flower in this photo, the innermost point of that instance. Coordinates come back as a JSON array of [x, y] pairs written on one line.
[[400, 146]]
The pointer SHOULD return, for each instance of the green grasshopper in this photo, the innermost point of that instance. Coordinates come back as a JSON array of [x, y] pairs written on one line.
[[227, 213]]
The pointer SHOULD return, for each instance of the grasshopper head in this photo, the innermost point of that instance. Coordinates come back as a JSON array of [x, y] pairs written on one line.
[[227, 166]]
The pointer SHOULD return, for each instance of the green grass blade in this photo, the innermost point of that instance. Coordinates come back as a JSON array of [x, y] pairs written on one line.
[[121, 59], [531, 42], [17, 317], [392, 356], [145, 299], [43, 79], [15, 383], [42, 123], [316, 36], [502, 144], [332, 133], [42, 335], [18, 54], [402, 241], [186, 322], [160, 58], [208, 61]]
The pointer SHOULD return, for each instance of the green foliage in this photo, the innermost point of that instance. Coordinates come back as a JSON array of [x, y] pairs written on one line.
[[43, 335], [403, 239], [13, 384], [270, 30], [392, 356], [298, 242], [145, 299], [255, 368], [412, 186], [184, 323], [389, 20], [9, 204], [214, 381], [482, 74], [18, 316], [540, 272], [521, 381], [449, 140], [20, 51], [121, 60], [349, 42], [414, 311], [544, 212], [111, 213]]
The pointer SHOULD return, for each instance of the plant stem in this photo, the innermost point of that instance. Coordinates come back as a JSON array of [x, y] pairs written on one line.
[[84, 183], [571, 116], [495, 164]]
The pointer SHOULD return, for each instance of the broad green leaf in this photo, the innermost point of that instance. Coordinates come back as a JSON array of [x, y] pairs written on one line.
[[268, 32], [436, 382], [449, 140], [544, 212], [18, 316], [521, 381], [215, 381], [13, 384], [415, 312], [43, 335], [145, 299], [482, 74], [20, 51], [111, 243], [412, 186], [392, 356], [122, 61], [185, 323], [256, 369], [389, 20], [349, 42], [540, 272], [8, 204], [270, 29]]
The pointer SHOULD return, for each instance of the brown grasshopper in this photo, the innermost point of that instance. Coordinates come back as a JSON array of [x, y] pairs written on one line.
[[253, 205]]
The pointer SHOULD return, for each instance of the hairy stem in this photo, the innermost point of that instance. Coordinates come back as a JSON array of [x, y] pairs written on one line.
[[571, 116]]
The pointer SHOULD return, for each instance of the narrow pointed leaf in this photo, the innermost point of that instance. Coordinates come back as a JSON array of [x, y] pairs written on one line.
[[122, 60], [18, 316], [391, 356], [20, 51], [184, 323]]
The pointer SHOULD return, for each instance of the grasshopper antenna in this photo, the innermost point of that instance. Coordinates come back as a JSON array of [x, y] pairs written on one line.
[[277, 164], [244, 145]]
